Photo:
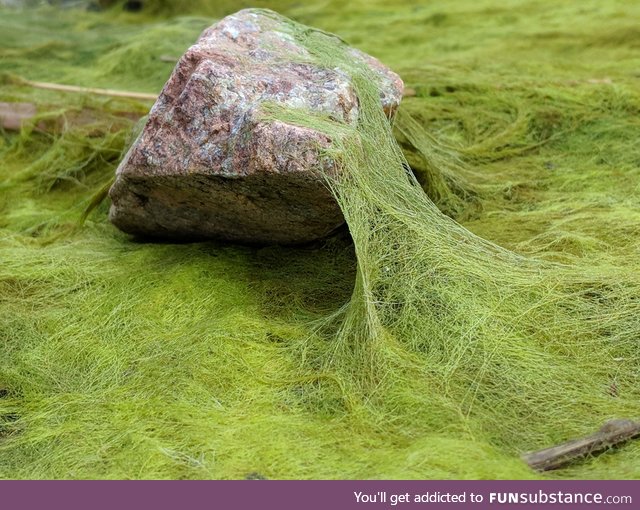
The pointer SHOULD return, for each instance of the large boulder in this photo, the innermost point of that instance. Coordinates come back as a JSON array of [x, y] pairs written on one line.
[[210, 164]]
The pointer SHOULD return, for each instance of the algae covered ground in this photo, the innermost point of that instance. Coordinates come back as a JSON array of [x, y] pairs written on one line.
[[127, 359]]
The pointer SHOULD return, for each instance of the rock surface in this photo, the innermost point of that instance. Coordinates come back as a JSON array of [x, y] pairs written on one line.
[[207, 164]]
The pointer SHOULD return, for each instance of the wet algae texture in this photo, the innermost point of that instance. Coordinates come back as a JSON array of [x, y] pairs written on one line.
[[413, 347]]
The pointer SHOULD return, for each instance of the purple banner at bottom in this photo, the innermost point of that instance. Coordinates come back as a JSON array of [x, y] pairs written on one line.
[[317, 495]]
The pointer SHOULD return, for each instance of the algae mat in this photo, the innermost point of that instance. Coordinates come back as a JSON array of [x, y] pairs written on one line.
[[123, 359]]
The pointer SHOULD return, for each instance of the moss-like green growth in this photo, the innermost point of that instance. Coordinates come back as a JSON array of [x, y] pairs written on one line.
[[452, 355]]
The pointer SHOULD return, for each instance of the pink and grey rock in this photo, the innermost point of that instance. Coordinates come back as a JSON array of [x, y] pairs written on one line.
[[209, 164]]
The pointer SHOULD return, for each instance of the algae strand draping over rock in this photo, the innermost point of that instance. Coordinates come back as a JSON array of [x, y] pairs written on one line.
[[434, 302], [211, 163]]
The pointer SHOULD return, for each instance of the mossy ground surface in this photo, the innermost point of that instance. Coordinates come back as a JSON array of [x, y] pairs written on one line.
[[126, 359]]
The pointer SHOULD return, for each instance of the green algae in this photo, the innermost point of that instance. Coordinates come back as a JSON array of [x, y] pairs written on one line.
[[124, 359]]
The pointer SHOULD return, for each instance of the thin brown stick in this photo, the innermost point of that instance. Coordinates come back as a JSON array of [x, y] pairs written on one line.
[[612, 433], [90, 90]]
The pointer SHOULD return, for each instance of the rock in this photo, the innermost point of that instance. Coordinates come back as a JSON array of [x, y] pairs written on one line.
[[209, 165]]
